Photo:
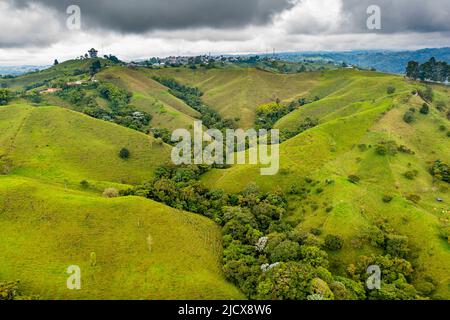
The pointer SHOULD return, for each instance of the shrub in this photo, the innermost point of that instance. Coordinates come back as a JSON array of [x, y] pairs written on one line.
[[440, 105], [285, 251], [354, 178], [390, 90], [84, 184], [410, 175], [5, 96], [314, 256], [124, 153], [110, 193], [397, 246], [442, 128], [381, 150], [425, 109], [408, 117], [333, 242], [387, 198]]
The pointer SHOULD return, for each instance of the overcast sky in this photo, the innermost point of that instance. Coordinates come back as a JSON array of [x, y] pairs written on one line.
[[35, 31]]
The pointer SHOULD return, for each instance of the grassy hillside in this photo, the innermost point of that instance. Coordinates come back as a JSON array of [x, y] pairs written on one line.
[[45, 229], [355, 118], [56, 144], [236, 93], [68, 70], [149, 96]]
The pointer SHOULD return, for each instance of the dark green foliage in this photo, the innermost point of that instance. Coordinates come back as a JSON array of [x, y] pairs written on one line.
[[387, 198], [408, 117], [333, 242], [84, 184], [269, 114], [440, 171], [5, 96], [425, 109], [288, 281], [95, 67], [431, 70], [307, 124], [397, 246], [411, 175], [390, 90], [192, 97], [285, 251], [163, 134], [124, 153], [34, 97], [426, 94]]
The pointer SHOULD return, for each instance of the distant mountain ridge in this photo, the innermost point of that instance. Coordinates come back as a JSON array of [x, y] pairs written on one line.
[[19, 70], [382, 60]]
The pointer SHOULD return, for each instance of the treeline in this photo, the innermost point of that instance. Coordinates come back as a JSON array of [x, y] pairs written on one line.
[[192, 97], [431, 70], [270, 257], [120, 111]]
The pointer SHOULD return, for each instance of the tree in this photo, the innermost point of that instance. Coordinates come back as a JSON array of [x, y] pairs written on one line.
[[56, 62], [390, 90], [408, 117], [124, 153], [285, 251], [425, 109], [412, 70], [397, 246], [95, 67], [333, 242], [5, 96]]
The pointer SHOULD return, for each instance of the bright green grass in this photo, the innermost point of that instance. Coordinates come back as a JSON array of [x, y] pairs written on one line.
[[329, 151], [236, 93], [64, 71], [45, 229], [60, 145]]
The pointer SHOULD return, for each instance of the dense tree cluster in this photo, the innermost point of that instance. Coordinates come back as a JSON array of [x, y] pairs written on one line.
[[192, 97], [269, 257], [118, 99], [5, 96], [440, 171], [268, 114], [431, 70]]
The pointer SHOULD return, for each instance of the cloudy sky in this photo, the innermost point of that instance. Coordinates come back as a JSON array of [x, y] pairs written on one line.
[[36, 32]]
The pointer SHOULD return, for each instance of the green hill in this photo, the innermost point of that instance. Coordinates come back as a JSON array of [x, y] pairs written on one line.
[[142, 249], [364, 167], [149, 96], [60, 145], [236, 92], [68, 71], [355, 119], [49, 221]]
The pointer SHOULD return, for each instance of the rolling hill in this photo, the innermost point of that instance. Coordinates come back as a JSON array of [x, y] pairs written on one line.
[[236, 92], [362, 166], [143, 249], [356, 117], [149, 96]]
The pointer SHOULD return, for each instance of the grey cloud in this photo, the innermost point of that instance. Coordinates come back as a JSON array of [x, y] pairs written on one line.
[[400, 15], [139, 16]]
